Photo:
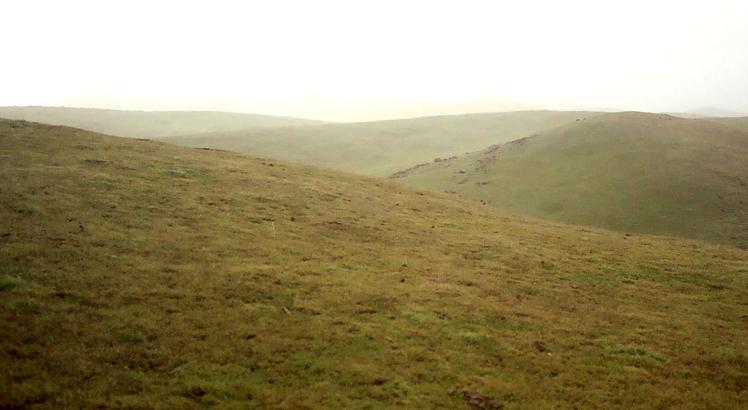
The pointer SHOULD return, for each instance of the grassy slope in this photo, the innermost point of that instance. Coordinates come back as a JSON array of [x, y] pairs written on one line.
[[136, 273], [147, 124], [737, 122], [628, 171], [383, 147]]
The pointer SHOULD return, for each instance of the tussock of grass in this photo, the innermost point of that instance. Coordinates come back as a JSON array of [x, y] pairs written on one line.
[[28, 305], [639, 357], [270, 285], [8, 282], [130, 337]]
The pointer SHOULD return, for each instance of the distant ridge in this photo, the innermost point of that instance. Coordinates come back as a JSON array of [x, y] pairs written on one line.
[[147, 124], [383, 147], [717, 112]]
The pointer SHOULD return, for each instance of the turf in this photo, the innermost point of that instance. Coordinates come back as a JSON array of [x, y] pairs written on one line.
[[633, 172], [147, 124], [737, 122], [136, 274], [380, 148]]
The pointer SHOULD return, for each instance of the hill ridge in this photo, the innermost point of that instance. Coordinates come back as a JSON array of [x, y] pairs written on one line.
[[146, 124], [599, 167], [380, 148]]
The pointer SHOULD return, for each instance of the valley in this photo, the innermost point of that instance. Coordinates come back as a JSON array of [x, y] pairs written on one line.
[[137, 272]]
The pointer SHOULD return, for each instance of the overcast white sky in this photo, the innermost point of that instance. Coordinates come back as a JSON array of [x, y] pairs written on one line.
[[359, 60]]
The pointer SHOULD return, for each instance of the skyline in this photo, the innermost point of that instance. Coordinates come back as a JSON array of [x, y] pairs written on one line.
[[339, 61]]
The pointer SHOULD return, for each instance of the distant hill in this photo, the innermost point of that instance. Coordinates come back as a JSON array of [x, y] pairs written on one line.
[[383, 147], [137, 272], [716, 112], [685, 115], [634, 172], [147, 124]]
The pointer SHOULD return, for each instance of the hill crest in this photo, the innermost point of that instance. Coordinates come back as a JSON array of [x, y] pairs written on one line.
[[629, 171], [146, 124], [380, 148]]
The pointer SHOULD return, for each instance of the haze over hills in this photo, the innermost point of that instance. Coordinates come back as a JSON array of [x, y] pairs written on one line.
[[718, 112], [147, 124], [383, 147], [634, 172], [194, 278]]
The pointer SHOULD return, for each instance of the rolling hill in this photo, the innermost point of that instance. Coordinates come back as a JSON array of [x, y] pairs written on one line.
[[147, 124], [137, 274], [383, 147], [633, 172]]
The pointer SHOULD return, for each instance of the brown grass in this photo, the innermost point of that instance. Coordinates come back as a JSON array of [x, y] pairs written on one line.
[[138, 274]]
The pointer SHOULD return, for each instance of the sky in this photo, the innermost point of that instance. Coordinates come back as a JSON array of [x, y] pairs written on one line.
[[367, 60]]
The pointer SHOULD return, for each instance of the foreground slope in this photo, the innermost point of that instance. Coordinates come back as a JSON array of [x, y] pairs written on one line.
[[147, 124], [383, 147], [139, 274], [736, 122], [634, 172]]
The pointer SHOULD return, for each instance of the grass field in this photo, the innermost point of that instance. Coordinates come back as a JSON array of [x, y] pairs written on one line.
[[736, 122], [137, 274], [147, 124], [633, 172], [382, 147]]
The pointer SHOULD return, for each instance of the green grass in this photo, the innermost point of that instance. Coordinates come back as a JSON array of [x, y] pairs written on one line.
[[266, 284], [130, 337], [632, 172], [383, 147], [7, 282], [29, 305]]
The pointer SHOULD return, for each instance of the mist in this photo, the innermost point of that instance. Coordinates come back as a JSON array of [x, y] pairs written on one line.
[[352, 61]]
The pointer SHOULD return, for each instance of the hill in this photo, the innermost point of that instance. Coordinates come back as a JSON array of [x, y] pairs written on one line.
[[147, 124], [383, 147], [736, 122], [633, 172], [136, 273]]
